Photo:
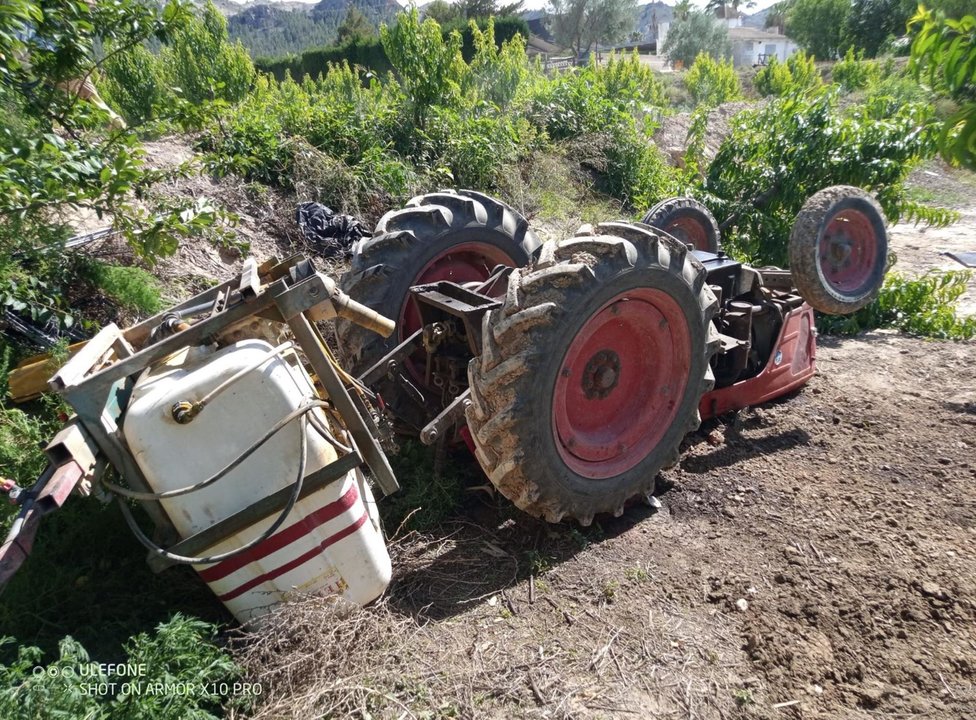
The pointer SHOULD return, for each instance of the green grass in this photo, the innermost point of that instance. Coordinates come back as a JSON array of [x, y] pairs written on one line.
[[133, 288]]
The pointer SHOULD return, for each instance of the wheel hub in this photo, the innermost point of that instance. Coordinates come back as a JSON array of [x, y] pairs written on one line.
[[601, 374]]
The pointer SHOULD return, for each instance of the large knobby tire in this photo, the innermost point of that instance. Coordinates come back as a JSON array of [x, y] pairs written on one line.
[[839, 250], [687, 220], [458, 236], [592, 371]]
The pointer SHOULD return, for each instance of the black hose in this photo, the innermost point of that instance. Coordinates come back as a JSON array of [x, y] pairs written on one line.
[[184, 560], [137, 495]]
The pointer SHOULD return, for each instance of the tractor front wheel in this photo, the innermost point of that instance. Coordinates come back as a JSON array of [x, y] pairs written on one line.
[[592, 371], [839, 250]]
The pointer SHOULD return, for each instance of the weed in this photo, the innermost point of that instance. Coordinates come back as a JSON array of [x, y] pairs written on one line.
[[637, 574], [131, 287], [179, 650], [921, 306], [610, 589], [538, 563], [579, 539], [428, 494], [743, 697]]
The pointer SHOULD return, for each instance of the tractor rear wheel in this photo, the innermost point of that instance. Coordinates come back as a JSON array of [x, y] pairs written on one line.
[[592, 371], [839, 250], [457, 236], [687, 220]]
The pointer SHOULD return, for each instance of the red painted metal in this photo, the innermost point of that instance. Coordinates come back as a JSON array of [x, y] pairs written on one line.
[[607, 416], [56, 484], [791, 364], [848, 252], [689, 230]]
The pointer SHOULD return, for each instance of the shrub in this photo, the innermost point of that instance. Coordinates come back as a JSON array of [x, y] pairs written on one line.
[[431, 69], [712, 83], [203, 64], [773, 79], [497, 72], [921, 306], [780, 154], [797, 74], [853, 72], [803, 71], [181, 650], [135, 84], [472, 146], [625, 79]]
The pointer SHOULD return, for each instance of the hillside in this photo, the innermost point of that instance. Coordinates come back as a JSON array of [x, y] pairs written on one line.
[[273, 30]]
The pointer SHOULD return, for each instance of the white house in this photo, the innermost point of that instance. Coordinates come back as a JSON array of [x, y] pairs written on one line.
[[752, 46]]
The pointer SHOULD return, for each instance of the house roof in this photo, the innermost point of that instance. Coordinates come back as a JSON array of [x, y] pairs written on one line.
[[537, 45], [751, 33]]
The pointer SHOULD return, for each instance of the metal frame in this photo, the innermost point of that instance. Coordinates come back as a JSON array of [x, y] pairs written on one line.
[[98, 381]]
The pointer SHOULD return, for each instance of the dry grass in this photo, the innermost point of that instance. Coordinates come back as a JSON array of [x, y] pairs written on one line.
[[469, 630]]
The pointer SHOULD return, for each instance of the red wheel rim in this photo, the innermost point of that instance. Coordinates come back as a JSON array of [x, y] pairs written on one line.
[[848, 252], [463, 263], [689, 230], [621, 382]]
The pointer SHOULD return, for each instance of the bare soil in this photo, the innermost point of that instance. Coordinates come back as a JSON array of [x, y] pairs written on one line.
[[813, 558]]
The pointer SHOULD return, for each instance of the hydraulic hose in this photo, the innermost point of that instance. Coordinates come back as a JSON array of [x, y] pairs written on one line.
[[137, 495], [209, 559]]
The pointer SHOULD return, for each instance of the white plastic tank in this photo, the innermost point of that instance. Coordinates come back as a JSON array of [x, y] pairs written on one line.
[[330, 543]]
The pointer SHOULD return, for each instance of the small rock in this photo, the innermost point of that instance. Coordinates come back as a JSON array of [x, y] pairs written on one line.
[[931, 589], [715, 437], [741, 604]]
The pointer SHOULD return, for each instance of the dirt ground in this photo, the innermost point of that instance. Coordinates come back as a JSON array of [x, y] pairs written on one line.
[[812, 558]]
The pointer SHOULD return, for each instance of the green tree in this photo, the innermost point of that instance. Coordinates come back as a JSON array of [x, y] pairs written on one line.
[[55, 151], [944, 52], [818, 26], [135, 84], [201, 61], [581, 24], [430, 67], [776, 15], [354, 27], [442, 12], [871, 22], [728, 8], [698, 33], [474, 9]]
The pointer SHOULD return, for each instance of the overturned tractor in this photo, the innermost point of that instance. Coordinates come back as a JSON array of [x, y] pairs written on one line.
[[572, 370]]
